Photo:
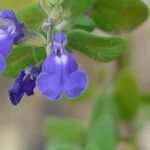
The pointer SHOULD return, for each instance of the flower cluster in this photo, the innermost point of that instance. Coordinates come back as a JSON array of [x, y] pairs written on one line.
[[59, 74]]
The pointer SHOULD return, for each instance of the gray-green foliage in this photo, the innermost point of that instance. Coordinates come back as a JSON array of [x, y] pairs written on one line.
[[113, 16], [119, 15], [83, 22], [33, 16], [65, 129], [104, 104], [96, 47], [62, 145], [127, 94], [103, 133], [21, 57], [78, 7], [32, 38]]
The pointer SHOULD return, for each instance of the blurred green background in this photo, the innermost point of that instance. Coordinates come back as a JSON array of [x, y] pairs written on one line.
[[110, 40]]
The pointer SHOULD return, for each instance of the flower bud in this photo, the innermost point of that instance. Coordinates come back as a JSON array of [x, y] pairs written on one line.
[[49, 5], [56, 12], [55, 2]]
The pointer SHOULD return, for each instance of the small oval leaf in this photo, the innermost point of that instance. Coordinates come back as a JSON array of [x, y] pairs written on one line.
[[79, 23], [33, 16], [103, 134], [119, 15], [127, 94], [99, 48]]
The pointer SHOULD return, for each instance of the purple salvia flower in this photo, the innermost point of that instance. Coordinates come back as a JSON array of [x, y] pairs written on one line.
[[60, 73], [10, 33], [24, 84]]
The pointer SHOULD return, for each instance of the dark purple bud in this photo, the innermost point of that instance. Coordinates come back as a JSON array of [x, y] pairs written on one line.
[[24, 84]]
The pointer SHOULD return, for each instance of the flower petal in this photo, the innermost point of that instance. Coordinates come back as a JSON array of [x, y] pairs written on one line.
[[28, 86], [6, 43], [9, 14], [71, 64], [50, 85], [75, 84], [15, 93], [14, 96], [2, 64]]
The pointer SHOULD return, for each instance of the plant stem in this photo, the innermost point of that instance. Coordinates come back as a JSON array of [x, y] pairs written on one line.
[[49, 35]]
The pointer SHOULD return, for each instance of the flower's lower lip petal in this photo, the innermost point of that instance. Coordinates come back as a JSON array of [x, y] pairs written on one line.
[[75, 84], [2, 64], [69, 62], [6, 45], [50, 86]]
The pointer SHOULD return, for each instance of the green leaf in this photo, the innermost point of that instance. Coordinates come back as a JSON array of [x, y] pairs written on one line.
[[62, 145], [103, 134], [21, 57], [83, 22], [104, 104], [78, 7], [145, 96], [127, 94], [91, 145], [33, 16], [142, 117], [65, 129], [32, 38], [119, 15], [97, 47]]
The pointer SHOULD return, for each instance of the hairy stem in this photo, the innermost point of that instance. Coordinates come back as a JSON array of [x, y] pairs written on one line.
[[49, 34]]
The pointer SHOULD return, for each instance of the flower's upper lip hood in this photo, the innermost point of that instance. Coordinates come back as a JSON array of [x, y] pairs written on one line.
[[10, 17], [59, 37], [8, 25], [59, 40]]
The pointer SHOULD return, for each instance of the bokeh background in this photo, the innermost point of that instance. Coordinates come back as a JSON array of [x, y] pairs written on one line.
[[22, 127]]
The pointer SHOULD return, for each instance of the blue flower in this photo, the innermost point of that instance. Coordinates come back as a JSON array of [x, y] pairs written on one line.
[[24, 84], [10, 33], [60, 73]]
